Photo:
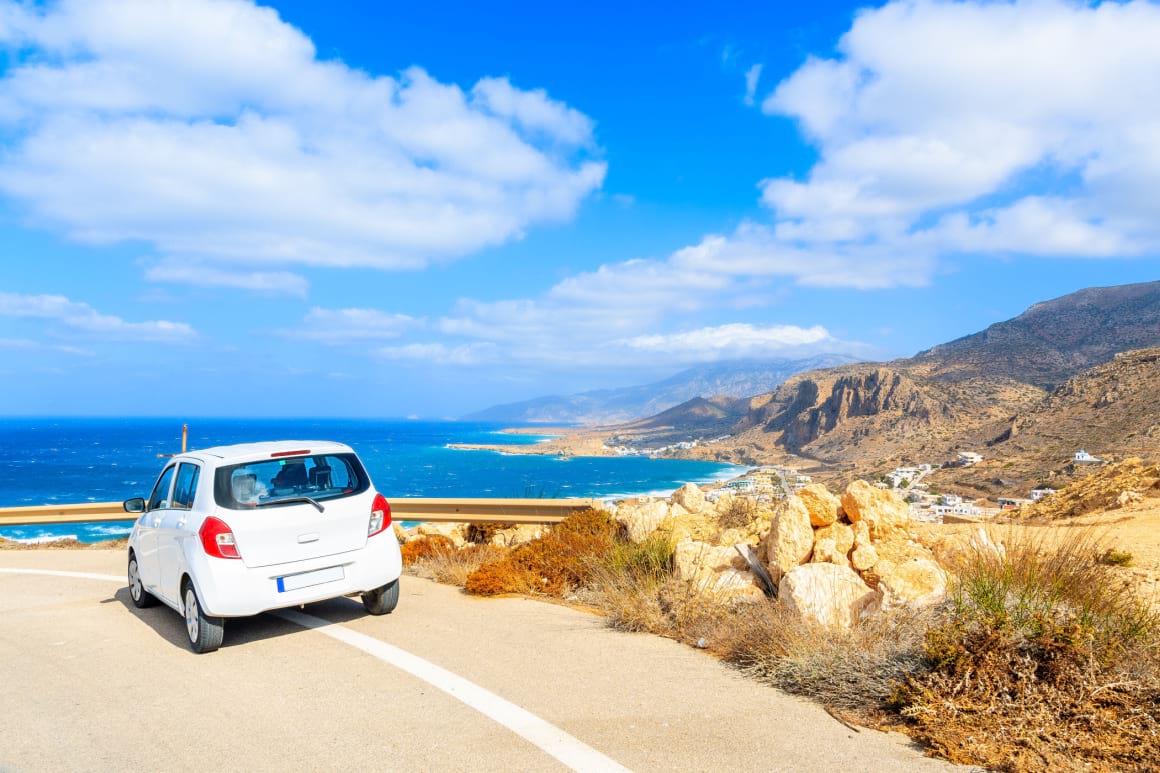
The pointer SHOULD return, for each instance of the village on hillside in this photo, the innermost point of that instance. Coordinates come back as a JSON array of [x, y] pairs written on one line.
[[769, 483]]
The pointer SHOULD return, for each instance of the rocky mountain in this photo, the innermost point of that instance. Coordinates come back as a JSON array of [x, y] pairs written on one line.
[[985, 391], [699, 416], [738, 378], [1053, 340]]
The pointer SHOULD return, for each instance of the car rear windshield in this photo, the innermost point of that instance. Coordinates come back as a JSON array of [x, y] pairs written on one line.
[[318, 477]]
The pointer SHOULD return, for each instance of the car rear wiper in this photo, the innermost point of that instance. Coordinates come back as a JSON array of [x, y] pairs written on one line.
[[287, 500]]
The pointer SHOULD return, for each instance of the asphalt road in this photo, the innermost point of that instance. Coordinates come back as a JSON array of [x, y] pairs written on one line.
[[446, 682]]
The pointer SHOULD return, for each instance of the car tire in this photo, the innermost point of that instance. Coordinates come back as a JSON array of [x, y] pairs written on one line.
[[382, 600], [205, 633], [141, 597]]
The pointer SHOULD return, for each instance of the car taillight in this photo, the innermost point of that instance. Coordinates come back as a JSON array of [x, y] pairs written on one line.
[[380, 516], [217, 540]]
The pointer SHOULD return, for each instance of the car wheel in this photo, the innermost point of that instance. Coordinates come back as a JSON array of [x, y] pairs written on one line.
[[382, 600], [141, 597], [205, 633]]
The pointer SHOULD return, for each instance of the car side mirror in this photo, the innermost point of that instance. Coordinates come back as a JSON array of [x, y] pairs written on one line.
[[135, 505]]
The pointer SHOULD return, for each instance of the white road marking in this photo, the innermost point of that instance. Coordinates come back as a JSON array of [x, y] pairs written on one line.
[[552, 740]]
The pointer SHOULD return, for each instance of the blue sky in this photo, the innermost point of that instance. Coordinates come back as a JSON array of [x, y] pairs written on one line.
[[212, 207]]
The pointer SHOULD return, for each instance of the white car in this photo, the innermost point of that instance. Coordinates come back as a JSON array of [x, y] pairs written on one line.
[[237, 530]]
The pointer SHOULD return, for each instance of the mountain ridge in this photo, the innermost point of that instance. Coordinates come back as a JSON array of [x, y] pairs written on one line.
[[737, 378]]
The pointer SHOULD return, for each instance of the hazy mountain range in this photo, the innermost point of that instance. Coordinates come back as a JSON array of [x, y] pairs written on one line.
[[737, 378]]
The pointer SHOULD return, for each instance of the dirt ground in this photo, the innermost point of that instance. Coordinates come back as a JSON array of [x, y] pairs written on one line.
[[1133, 529]]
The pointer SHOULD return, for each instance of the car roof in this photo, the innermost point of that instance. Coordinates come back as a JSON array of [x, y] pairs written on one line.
[[219, 455]]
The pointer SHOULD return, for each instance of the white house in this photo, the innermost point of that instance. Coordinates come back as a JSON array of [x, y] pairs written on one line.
[[1039, 493], [1083, 457]]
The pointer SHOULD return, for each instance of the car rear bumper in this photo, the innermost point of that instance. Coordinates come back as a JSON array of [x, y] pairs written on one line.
[[228, 588]]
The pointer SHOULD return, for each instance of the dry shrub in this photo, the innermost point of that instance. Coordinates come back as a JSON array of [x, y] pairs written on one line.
[[855, 670], [454, 566], [481, 533], [1046, 662], [739, 512], [425, 547], [553, 564]]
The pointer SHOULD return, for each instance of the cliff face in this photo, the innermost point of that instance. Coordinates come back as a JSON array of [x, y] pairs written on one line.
[[877, 415], [808, 407]]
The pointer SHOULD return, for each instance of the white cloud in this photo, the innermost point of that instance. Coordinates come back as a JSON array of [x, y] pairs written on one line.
[[352, 325], [211, 130], [442, 354], [277, 282], [731, 341], [83, 318], [752, 76], [1016, 127]]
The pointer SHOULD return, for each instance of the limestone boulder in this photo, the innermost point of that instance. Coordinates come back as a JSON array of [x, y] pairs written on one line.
[[861, 531], [840, 533], [826, 551], [863, 557], [821, 504], [690, 497], [826, 594], [691, 558], [518, 535], [916, 583], [454, 531], [900, 548], [873, 575], [883, 511], [954, 550], [716, 570], [698, 527], [640, 517], [791, 538]]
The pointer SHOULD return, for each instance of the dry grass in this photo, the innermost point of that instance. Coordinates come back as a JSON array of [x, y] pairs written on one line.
[[453, 567], [740, 512], [1046, 662]]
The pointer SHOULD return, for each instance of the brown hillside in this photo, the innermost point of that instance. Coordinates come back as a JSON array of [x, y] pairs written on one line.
[[1113, 486], [1111, 409], [697, 415], [1054, 340]]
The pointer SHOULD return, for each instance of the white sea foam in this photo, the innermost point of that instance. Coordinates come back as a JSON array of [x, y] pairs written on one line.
[[43, 540]]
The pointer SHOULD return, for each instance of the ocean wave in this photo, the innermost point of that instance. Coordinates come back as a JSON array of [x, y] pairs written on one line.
[[44, 539]]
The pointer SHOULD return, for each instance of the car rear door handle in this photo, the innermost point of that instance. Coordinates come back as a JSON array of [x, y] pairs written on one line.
[[311, 537]]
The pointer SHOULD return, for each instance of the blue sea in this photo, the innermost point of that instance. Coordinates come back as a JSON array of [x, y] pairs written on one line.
[[71, 460]]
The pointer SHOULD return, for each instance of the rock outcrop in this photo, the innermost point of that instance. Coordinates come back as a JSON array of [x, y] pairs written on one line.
[[791, 539], [640, 517], [826, 594], [718, 570]]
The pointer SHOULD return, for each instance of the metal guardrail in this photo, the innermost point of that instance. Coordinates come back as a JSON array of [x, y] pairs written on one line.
[[402, 509]]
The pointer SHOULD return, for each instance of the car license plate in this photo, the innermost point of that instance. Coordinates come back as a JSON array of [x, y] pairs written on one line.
[[306, 579]]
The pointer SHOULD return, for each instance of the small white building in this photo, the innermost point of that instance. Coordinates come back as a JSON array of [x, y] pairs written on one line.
[[1083, 457], [967, 458], [1039, 493], [742, 486]]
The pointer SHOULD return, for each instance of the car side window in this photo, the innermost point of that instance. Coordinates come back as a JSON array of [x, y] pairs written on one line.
[[186, 487], [159, 499]]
